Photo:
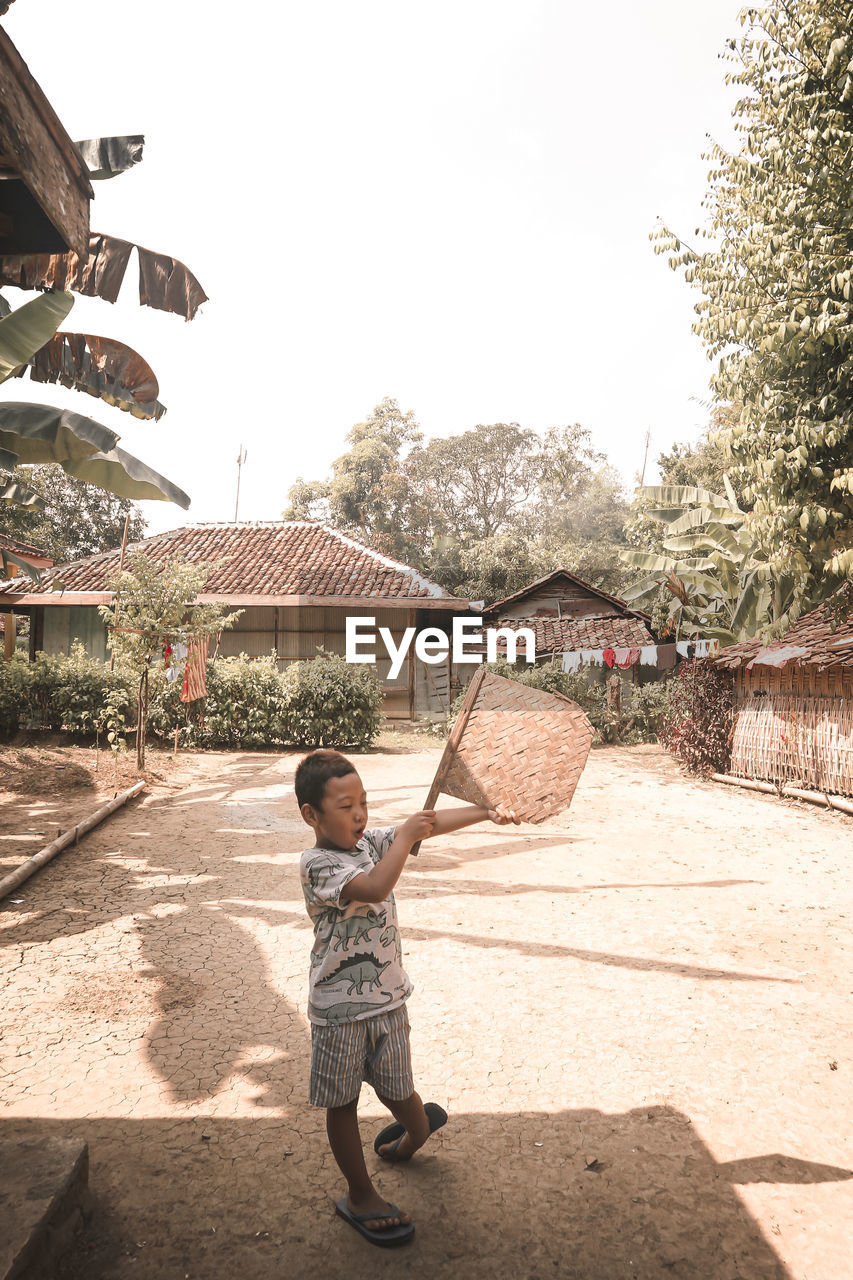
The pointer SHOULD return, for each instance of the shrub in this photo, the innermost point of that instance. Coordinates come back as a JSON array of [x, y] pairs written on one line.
[[76, 693], [244, 706], [642, 710], [697, 719], [331, 703], [11, 685], [87, 697]]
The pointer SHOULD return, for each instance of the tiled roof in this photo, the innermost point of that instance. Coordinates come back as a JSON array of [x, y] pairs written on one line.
[[548, 577], [813, 632], [21, 548], [273, 559], [598, 631]]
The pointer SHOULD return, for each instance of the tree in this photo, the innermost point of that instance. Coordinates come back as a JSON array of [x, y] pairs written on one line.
[[369, 494], [153, 608], [77, 519], [713, 580], [481, 512], [777, 286], [701, 465]]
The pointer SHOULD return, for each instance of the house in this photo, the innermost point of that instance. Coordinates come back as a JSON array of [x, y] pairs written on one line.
[[794, 705], [571, 617], [11, 547], [296, 582]]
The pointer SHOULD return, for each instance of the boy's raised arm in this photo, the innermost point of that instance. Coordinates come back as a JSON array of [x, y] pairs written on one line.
[[375, 885], [448, 820]]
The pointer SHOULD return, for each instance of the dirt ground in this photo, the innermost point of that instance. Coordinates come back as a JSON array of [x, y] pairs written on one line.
[[638, 1017]]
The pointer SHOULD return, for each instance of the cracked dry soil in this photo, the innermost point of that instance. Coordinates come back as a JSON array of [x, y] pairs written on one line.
[[638, 1017]]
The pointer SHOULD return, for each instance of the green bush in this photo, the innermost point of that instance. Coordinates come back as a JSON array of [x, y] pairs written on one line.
[[244, 706], [75, 693], [331, 703], [11, 685]]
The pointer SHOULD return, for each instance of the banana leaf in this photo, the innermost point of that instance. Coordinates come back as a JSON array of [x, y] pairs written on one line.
[[640, 590], [18, 495], [107, 157], [125, 476], [164, 282], [101, 367], [732, 496], [646, 560], [10, 558], [695, 517], [678, 495], [43, 433], [25, 330]]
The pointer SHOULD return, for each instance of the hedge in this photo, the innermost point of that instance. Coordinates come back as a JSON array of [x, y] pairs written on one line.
[[321, 702]]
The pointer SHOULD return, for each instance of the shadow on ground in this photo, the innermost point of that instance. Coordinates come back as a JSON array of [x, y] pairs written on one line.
[[578, 1194]]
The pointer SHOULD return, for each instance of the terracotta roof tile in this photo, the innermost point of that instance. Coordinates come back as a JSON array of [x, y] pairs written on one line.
[[597, 631], [824, 647], [295, 558]]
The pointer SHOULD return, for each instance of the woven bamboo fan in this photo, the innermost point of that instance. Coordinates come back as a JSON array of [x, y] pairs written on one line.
[[516, 746]]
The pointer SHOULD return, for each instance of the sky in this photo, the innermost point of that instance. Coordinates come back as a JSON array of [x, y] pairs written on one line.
[[446, 203]]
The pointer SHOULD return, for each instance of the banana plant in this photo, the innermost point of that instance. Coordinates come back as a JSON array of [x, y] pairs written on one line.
[[720, 586], [29, 337]]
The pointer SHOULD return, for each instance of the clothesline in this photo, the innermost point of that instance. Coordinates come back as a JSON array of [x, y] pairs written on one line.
[[662, 657]]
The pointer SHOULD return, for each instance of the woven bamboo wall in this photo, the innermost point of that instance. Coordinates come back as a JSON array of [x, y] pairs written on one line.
[[795, 725]]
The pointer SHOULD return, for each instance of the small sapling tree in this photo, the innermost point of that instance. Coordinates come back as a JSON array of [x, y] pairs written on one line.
[[153, 608]]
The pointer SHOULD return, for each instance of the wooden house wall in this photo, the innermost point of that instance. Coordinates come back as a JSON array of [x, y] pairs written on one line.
[[294, 634], [67, 623], [561, 599], [795, 725]]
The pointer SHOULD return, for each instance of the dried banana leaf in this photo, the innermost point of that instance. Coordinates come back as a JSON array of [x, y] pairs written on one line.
[[101, 367], [107, 157], [164, 282]]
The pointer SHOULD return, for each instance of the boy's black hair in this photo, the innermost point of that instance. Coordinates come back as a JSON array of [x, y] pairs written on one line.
[[314, 772]]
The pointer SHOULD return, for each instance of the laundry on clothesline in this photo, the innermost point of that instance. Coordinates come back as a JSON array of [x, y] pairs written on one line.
[[195, 672]]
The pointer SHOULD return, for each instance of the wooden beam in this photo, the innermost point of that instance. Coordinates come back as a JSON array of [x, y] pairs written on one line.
[[49, 197]]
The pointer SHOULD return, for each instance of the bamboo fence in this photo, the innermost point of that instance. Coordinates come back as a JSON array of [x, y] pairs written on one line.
[[795, 726]]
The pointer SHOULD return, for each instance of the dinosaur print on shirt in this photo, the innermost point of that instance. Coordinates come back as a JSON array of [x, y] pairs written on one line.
[[356, 951]]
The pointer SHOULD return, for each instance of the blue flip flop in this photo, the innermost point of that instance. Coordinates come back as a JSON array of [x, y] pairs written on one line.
[[436, 1116], [385, 1237]]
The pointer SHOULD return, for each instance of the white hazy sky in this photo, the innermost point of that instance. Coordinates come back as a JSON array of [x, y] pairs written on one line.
[[448, 203]]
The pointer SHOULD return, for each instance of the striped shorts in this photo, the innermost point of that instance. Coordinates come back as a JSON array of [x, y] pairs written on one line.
[[376, 1049]]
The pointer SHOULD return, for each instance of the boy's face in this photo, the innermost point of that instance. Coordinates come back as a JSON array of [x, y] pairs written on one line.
[[340, 823]]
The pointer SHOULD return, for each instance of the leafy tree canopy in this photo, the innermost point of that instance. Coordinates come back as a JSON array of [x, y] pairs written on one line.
[[78, 519], [482, 512], [776, 276]]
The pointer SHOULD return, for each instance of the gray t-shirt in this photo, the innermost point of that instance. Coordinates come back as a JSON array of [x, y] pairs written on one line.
[[356, 960]]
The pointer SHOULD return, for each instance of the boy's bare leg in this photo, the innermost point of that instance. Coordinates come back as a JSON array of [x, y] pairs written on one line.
[[345, 1141], [411, 1115]]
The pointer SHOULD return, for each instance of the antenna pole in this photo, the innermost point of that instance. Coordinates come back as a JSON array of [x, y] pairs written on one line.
[[241, 458], [645, 458]]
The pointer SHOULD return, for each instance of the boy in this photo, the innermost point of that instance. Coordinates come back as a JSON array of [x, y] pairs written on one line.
[[357, 986]]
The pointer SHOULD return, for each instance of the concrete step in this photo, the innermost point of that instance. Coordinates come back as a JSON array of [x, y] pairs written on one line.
[[44, 1200]]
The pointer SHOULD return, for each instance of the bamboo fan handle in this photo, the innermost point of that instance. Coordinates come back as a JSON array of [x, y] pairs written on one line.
[[446, 761]]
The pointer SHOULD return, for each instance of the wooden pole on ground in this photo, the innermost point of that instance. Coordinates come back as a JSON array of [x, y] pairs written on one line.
[[45, 855]]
